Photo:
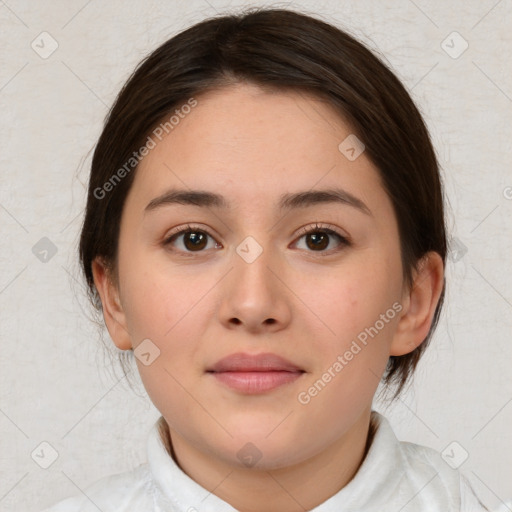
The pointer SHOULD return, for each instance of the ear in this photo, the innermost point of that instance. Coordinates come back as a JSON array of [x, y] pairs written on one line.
[[113, 313], [419, 305]]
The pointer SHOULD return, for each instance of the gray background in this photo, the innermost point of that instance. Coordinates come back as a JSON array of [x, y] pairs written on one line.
[[56, 383]]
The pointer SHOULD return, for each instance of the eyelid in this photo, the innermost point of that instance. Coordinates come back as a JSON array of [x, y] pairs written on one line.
[[185, 228], [318, 226]]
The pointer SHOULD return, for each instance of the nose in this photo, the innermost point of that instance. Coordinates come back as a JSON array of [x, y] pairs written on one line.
[[254, 298]]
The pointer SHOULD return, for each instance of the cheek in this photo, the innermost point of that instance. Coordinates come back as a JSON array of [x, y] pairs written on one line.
[[158, 299], [167, 309], [351, 298], [350, 362], [172, 308], [356, 303]]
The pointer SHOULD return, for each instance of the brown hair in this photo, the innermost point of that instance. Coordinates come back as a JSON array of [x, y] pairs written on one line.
[[284, 50]]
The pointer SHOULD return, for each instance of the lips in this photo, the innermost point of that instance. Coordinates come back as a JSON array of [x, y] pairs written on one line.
[[253, 363], [253, 374]]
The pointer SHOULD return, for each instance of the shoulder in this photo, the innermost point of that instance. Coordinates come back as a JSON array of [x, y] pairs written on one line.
[[425, 480], [122, 492], [443, 479]]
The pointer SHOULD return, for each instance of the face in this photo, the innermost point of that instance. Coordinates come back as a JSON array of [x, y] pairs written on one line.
[[311, 287]]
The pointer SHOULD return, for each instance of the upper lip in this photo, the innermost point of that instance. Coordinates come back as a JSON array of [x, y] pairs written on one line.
[[241, 362]]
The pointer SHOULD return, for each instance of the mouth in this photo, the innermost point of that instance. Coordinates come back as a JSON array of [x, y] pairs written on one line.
[[254, 374]]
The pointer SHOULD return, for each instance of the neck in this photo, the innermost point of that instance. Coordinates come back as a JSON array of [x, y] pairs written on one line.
[[294, 488]]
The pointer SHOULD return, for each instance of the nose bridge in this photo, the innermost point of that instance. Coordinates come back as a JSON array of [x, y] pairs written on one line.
[[251, 265], [254, 296]]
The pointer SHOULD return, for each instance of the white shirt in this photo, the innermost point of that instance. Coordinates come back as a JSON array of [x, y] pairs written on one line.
[[394, 476]]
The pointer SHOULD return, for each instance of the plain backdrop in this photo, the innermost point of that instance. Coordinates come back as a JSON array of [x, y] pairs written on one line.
[[57, 385]]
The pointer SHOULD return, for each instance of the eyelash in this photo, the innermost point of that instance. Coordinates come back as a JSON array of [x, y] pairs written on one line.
[[327, 229]]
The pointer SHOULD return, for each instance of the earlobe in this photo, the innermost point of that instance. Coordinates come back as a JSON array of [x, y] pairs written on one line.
[[113, 313], [420, 303]]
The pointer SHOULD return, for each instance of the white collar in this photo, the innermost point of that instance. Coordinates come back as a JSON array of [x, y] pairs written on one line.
[[382, 468]]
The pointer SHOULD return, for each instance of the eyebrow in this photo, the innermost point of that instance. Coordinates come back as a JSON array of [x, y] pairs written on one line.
[[288, 201]]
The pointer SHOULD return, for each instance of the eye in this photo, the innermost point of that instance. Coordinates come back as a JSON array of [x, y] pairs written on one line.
[[190, 239], [318, 239]]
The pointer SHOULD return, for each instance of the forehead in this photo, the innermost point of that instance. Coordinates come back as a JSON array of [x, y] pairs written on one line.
[[255, 145]]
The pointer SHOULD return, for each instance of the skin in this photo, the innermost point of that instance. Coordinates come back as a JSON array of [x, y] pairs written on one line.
[[252, 146]]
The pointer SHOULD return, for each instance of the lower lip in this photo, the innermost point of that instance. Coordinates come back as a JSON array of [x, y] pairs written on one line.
[[256, 382]]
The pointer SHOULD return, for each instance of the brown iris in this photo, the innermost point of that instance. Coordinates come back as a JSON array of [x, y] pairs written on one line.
[[318, 240], [194, 240]]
